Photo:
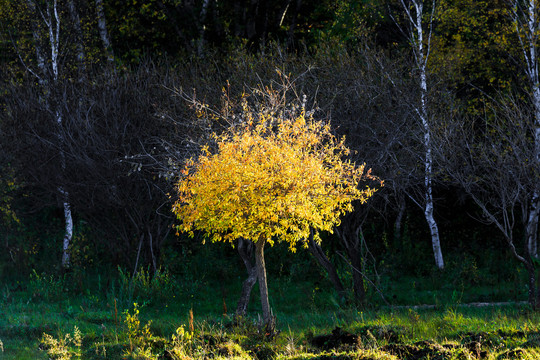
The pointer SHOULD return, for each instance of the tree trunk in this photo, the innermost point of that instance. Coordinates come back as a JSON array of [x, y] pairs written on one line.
[[261, 276], [531, 274], [294, 21], [323, 261], [358, 279], [421, 57], [350, 234], [79, 39], [202, 27], [68, 231], [527, 24], [398, 243], [103, 32], [51, 18], [534, 208], [532, 226], [245, 249], [247, 286]]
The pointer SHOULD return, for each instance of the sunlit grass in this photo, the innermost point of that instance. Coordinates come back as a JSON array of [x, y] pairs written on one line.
[[304, 311]]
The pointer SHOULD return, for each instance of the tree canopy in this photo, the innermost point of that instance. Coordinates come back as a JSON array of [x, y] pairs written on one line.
[[271, 176]]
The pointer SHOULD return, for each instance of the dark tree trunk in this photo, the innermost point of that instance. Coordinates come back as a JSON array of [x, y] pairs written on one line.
[[245, 249], [531, 273], [397, 225], [323, 260], [350, 237], [294, 21], [358, 279]]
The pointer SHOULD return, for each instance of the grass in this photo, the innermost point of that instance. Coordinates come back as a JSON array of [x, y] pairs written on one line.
[[313, 324]]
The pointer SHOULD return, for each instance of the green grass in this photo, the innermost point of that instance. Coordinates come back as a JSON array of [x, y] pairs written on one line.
[[306, 314]]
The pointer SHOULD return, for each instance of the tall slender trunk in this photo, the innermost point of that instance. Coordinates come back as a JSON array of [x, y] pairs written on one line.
[[429, 208], [202, 27], [532, 225], [103, 32], [76, 20], [49, 80], [398, 243], [261, 276], [54, 40], [294, 21], [421, 56], [527, 24], [68, 232]]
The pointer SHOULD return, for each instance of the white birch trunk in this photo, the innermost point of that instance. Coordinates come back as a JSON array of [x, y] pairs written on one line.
[[54, 40], [421, 57], [51, 19], [103, 32], [527, 28], [68, 230], [532, 221]]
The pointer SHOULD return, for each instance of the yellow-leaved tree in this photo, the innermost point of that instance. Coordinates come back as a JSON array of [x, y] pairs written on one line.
[[272, 176]]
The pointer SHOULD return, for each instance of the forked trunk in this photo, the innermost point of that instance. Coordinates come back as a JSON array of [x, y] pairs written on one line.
[[245, 250]]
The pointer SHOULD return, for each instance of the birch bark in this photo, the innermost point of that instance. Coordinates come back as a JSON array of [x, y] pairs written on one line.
[[527, 27], [49, 80], [103, 32], [421, 48]]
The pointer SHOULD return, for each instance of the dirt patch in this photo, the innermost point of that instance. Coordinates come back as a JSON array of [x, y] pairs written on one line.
[[418, 351], [512, 354], [386, 333], [337, 339], [491, 339]]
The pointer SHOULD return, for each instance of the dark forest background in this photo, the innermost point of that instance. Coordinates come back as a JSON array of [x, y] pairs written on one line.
[[97, 116]]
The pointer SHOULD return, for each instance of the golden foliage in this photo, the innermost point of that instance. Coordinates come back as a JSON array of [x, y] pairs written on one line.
[[273, 175]]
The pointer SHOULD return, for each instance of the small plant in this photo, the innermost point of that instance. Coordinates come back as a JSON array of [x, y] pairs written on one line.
[[180, 344], [63, 348], [140, 339]]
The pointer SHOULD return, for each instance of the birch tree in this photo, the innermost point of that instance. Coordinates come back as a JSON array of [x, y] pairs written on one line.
[[47, 47], [49, 40], [103, 31], [419, 34], [525, 16]]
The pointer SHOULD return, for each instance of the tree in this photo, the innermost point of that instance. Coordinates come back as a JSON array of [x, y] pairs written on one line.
[[272, 175], [492, 163], [420, 39], [525, 16]]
